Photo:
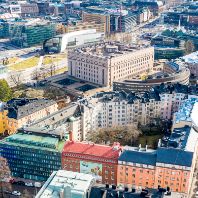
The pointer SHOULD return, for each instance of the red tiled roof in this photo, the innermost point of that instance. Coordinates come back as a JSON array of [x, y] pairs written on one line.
[[93, 149]]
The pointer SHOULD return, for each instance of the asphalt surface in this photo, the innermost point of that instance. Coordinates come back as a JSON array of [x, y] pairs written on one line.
[[26, 192]]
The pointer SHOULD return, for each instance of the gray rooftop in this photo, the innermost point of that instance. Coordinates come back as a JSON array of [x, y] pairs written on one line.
[[21, 107]]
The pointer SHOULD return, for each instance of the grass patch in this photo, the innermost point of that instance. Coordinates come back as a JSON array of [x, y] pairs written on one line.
[[33, 61], [28, 63], [12, 60], [53, 59], [150, 140], [62, 70]]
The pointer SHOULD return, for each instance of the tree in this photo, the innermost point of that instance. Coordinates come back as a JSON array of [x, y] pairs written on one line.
[[189, 46], [4, 172], [15, 78], [5, 91], [126, 135]]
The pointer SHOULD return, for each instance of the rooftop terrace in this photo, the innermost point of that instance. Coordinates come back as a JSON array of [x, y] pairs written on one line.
[[109, 49]]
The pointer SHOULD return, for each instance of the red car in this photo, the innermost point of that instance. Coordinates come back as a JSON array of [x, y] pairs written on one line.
[[12, 181]]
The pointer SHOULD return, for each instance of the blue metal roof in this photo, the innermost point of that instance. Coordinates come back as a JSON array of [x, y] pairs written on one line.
[[174, 156], [147, 157]]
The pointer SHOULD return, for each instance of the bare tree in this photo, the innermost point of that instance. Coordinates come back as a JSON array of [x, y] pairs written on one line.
[[126, 135], [15, 78], [36, 75], [52, 69], [4, 172]]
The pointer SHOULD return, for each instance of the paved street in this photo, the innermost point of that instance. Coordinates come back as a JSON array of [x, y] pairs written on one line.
[[26, 192]]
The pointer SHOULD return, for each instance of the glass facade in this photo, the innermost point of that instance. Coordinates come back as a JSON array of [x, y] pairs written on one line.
[[31, 162], [30, 35]]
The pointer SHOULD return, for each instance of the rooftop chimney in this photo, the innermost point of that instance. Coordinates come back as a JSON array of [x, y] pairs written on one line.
[[140, 147]]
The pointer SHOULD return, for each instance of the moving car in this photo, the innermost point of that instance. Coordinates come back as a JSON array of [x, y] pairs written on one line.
[[37, 184], [21, 183], [17, 193], [29, 184]]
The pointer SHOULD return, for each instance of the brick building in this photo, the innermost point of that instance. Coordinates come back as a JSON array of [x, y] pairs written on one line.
[[171, 165], [98, 160]]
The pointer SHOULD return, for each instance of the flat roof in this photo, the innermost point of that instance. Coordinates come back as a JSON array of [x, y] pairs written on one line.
[[34, 141], [63, 182]]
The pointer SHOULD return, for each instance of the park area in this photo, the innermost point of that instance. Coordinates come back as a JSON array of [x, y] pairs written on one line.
[[15, 64], [130, 135]]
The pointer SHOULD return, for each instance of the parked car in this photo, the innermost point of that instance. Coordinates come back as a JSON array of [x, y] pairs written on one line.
[[21, 183], [37, 184], [17, 193], [12, 181], [29, 184]]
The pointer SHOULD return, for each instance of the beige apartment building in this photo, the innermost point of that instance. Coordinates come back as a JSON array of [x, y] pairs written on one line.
[[109, 61], [98, 19], [100, 27]]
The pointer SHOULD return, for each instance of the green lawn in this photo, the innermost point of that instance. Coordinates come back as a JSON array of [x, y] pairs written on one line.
[[28, 63]]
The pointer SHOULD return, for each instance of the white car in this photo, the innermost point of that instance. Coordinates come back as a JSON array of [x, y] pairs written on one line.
[[29, 184], [16, 193], [37, 184]]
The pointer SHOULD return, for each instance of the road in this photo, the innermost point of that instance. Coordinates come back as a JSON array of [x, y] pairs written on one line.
[[26, 192]]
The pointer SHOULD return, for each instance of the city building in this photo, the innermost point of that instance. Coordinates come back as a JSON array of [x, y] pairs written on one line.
[[170, 72], [143, 15], [173, 96], [106, 191], [137, 167], [43, 8], [115, 19], [67, 184], [32, 155], [25, 9], [185, 14], [60, 43], [186, 114], [89, 158], [156, 7], [29, 32], [170, 166], [107, 109], [191, 61], [107, 62], [168, 53], [70, 119], [78, 26], [17, 113]]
